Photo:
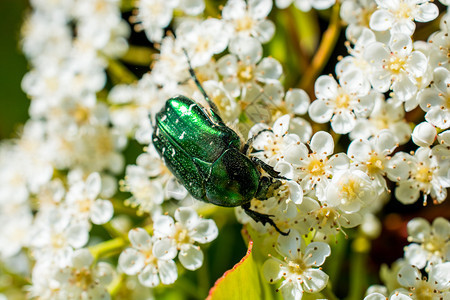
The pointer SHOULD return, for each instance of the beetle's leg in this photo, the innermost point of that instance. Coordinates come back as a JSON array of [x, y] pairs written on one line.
[[199, 86], [269, 169], [249, 143], [263, 218]]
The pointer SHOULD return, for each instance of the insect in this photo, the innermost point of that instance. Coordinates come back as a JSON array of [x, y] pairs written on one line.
[[209, 158]]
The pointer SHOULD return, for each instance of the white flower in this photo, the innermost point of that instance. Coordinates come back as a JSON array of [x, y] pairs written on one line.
[[250, 18], [386, 115], [314, 170], [434, 100], [424, 134], [244, 70], [357, 15], [356, 60], [82, 200], [202, 40], [54, 235], [154, 16], [83, 280], [147, 194], [322, 218], [341, 103], [151, 260], [276, 144], [227, 105], [435, 287], [427, 175], [298, 269], [440, 44], [188, 229], [373, 156], [398, 15], [350, 190], [396, 66], [283, 207], [431, 244], [16, 227]]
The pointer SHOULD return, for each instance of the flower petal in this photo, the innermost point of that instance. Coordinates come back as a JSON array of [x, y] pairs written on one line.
[[191, 257], [271, 270], [101, 211], [316, 253], [140, 239], [205, 231], [131, 261], [186, 216], [167, 271], [381, 20], [322, 143], [149, 276], [165, 249], [315, 280]]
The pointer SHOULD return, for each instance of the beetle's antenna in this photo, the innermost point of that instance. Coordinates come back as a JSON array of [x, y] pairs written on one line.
[[199, 85]]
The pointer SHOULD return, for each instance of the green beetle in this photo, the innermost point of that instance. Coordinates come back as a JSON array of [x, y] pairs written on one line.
[[209, 158]]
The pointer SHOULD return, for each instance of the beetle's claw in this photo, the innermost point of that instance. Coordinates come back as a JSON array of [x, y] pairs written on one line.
[[263, 218]]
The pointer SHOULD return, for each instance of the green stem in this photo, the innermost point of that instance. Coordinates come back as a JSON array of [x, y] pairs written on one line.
[[116, 285], [328, 293], [113, 232], [323, 53], [119, 207], [333, 265], [108, 248], [294, 35], [138, 55], [358, 270], [119, 73]]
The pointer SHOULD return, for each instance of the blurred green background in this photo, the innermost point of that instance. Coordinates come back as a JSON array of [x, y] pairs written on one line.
[[13, 102]]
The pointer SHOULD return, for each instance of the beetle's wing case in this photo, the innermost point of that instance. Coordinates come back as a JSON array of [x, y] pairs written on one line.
[[179, 163], [199, 134]]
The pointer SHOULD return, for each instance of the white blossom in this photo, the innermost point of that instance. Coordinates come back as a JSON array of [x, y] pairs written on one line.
[[398, 15], [298, 269], [249, 18], [396, 66], [151, 259], [188, 229], [431, 244]]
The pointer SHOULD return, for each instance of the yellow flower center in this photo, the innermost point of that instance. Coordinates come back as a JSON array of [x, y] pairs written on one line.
[[297, 266], [83, 279], [324, 215], [404, 11], [424, 174], [424, 291], [182, 235], [245, 73], [316, 167], [342, 101], [350, 190], [375, 164], [244, 24], [434, 245], [396, 64], [202, 45]]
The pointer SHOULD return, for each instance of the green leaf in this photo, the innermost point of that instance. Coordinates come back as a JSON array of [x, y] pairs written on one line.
[[243, 281]]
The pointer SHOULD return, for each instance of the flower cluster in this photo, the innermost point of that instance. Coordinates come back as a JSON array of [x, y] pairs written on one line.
[[73, 194], [430, 249]]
